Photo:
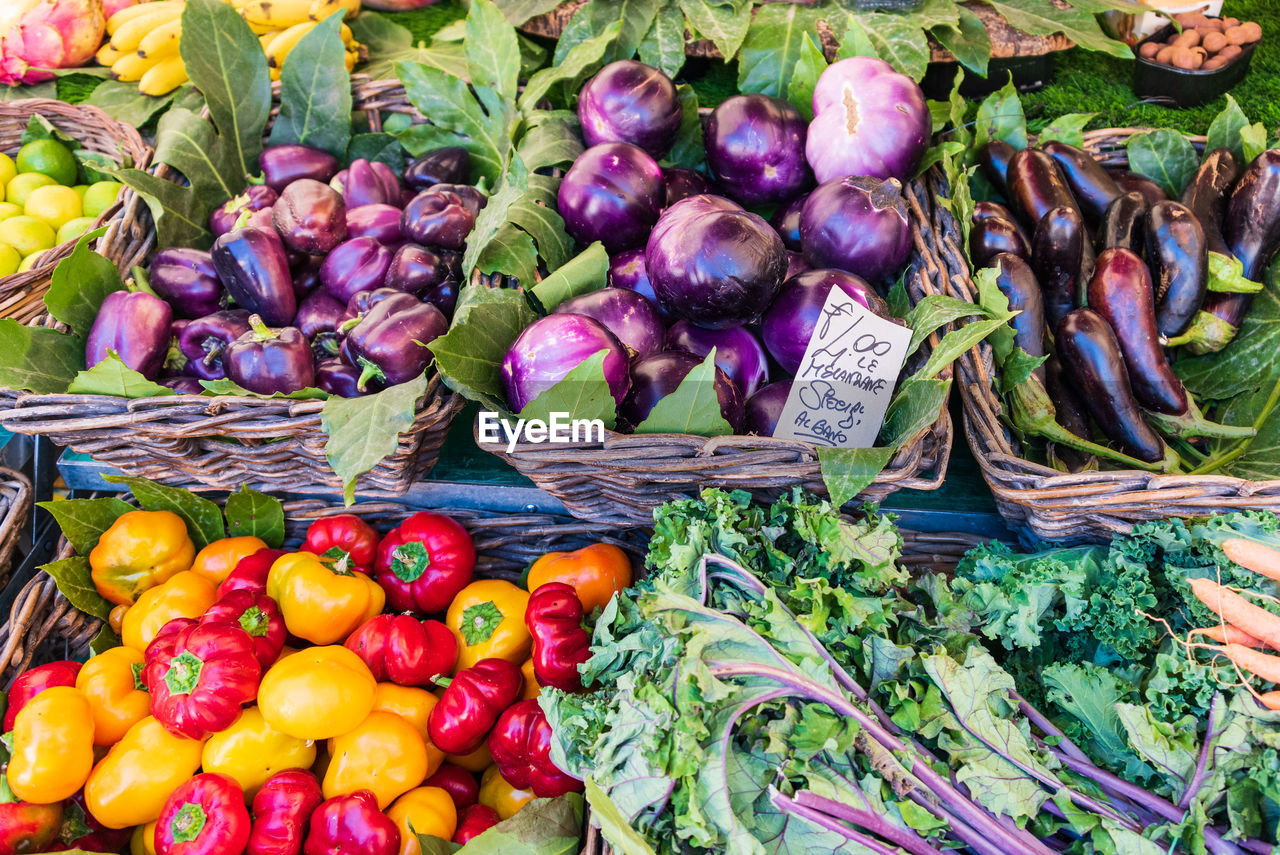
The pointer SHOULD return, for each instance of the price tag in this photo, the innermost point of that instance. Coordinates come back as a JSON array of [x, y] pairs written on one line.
[[842, 390]]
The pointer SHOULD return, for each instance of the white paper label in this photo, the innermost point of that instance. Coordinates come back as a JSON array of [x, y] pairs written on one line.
[[842, 390]]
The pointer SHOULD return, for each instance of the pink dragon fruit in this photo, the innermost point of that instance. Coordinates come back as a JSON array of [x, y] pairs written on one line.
[[37, 34]]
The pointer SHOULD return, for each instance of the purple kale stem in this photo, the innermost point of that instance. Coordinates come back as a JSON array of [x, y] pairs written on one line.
[[1042, 721], [1198, 778], [821, 819], [962, 831], [1257, 846], [903, 837]]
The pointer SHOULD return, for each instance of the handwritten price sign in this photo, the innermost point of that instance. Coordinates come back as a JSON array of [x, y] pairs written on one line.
[[842, 390]]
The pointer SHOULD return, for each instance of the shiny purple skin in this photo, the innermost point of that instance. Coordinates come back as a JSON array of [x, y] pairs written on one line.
[[256, 197], [310, 217], [715, 266], [318, 319], [790, 321], [363, 302], [795, 265], [858, 225], [415, 270], [380, 222], [628, 101], [188, 281], [739, 354], [470, 196], [253, 268], [390, 182], [437, 217], [389, 344], [135, 325], [633, 318], [682, 183], [306, 276], [655, 377], [335, 376], [204, 341], [182, 385], [449, 165], [359, 264], [755, 149], [284, 164], [786, 222], [613, 193], [868, 120], [627, 270], [764, 408], [360, 184], [443, 296], [551, 347], [267, 361]]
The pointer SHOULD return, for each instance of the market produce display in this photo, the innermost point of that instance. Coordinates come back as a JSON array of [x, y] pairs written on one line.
[[1204, 42]]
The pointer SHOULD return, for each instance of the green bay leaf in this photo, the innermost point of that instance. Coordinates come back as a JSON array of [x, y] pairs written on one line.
[[253, 514], [315, 92], [75, 582], [583, 393], [203, 517], [693, 408], [362, 431]]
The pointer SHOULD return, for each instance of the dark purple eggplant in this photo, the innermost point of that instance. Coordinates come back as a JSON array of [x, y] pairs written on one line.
[[415, 270], [380, 222], [660, 374], [786, 221], [1036, 186], [1131, 182], [1124, 224], [336, 377], [284, 164], [449, 165], [994, 158], [1206, 196], [986, 210], [1070, 411], [437, 217], [389, 343], [1179, 262], [1057, 256], [135, 326], [310, 217], [1094, 189], [763, 409], [992, 236], [188, 280], [1018, 284], [252, 266], [267, 361], [683, 183], [356, 265], [1089, 351], [204, 342], [318, 318], [1121, 293], [256, 197]]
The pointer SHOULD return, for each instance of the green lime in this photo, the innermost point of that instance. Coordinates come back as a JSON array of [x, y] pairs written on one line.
[[72, 229], [22, 185], [48, 157], [101, 196], [54, 205], [30, 261], [8, 209], [81, 189], [26, 234], [7, 170], [9, 260]]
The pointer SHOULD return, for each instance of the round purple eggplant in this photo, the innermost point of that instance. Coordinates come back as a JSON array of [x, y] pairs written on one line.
[[449, 165], [551, 347], [627, 270], [858, 225], [786, 222], [763, 409], [682, 183], [628, 101], [755, 149], [791, 320], [613, 193], [739, 353], [437, 217], [655, 377], [795, 264], [359, 264], [310, 217], [633, 318], [188, 280], [284, 164]]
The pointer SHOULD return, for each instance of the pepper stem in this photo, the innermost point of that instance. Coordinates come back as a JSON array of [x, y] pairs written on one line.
[[242, 219], [139, 280], [261, 331], [255, 622], [480, 622], [410, 560], [369, 371], [187, 823], [184, 673]]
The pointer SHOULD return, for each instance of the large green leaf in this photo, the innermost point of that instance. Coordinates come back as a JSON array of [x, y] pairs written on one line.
[[112, 377], [493, 54], [587, 272], [1079, 23], [253, 514], [82, 521], [181, 214], [315, 92], [725, 23], [493, 217], [1000, 117], [519, 11], [457, 118], [74, 579], [550, 139], [1226, 128], [896, 40], [36, 359], [80, 283], [635, 16], [804, 77], [579, 63], [688, 150], [583, 393], [535, 214], [389, 43], [470, 355], [663, 45], [362, 431], [846, 472], [1165, 156], [774, 44], [967, 39], [203, 517], [123, 102], [693, 408]]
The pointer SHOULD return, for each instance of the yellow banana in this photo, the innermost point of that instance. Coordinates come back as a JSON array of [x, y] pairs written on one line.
[[280, 46], [350, 58], [131, 67], [267, 38], [142, 10], [107, 55], [278, 14], [128, 37], [164, 77], [321, 9], [162, 42]]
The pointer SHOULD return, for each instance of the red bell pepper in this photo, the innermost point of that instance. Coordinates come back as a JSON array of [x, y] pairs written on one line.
[[560, 643], [259, 616], [33, 682], [424, 562], [251, 572], [204, 816], [521, 746], [281, 810], [474, 821], [343, 536], [26, 827], [460, 784], [351, 825], [405, 650], [470, 707], [81, 830], [199, 675]]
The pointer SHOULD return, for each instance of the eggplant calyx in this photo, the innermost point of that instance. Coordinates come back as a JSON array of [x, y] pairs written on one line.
[[1193, 423], [1208, 333], [1226, 276], [368, 371]]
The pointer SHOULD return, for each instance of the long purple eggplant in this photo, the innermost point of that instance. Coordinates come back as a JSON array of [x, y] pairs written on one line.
[[1131, 182], [268, 361], [987, 209], [1018, 284], [994, 159], [1094, 189], [135, 326], [1058, 259], [1179, 262], [1037, 186], [1070, 411], [1206, 196], [1124, 224], [204, 342], [991, 236], [255, 271]]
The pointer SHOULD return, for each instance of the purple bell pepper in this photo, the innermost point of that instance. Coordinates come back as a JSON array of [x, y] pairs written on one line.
[[252, 265], [389, 342], [268, 361], [437, 217], [310, 217], [188, 281], [360, 184], [284, 164], [470, 196], [306, 276], [415, 270], [204, 342], [359, 264], [182, 385], [318, 318], [135, 326], [443, 296], [255, 198], [380, 222], [337, 377], [450, 165]]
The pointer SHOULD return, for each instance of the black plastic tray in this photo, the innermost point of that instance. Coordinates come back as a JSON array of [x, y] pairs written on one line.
[[1178, 87]]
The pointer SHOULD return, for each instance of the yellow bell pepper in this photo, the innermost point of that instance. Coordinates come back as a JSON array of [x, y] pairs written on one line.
[[250, 751], [186, 594], [477, 761], [498, 794], [320, 601], [487, 618], [384, 754], [143, 840], [131, 784], [532, 689], [425, 810], [52, 746], [140, 550], [414, 705], [595, 573], [317, 693], [112, 682], [216, 561]]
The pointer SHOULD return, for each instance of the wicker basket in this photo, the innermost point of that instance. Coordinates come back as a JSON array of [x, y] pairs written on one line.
[[22, 294], [15, 508], [222, 442], [1088, 506], [622, 479]]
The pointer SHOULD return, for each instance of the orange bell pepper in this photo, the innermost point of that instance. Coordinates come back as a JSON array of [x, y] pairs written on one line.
[[424, 810], [487, 619], [595, 572], [52, 746], [216, 561], [322, 602], [384, 754], [140, 550], [112, 682], [186, 594]]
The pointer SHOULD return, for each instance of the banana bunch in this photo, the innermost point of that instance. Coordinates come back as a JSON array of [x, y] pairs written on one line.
[[144, 39]]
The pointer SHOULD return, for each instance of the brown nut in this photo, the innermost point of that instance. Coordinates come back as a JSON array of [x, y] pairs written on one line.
[[1211, 25], [1230, 52], [1228, 23], [1215, 63], [1237, 36], [1165, 56], [1252, 31], [1149, 50], [1214, 42], [1188, 59], [1187, 38]]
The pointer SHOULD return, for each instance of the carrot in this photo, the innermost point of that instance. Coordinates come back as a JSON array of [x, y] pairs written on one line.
[[1236, 610], [1227, 634], [1262, 665], [1270, 700], [1251, 555]]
